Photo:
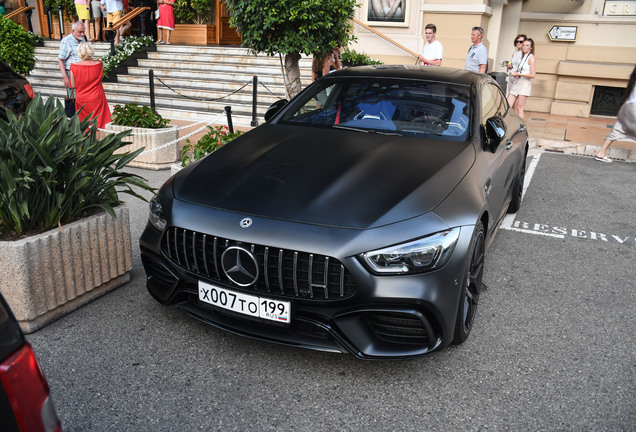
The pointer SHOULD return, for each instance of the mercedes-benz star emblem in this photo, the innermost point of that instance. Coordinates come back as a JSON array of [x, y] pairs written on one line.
[[246, 222], [240, 266]]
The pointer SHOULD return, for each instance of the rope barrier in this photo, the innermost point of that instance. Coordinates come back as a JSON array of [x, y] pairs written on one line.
[[203, 99], [267, 88]]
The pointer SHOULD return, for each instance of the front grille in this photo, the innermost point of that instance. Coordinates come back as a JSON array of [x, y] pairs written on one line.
[[288, 273], [398, 327]]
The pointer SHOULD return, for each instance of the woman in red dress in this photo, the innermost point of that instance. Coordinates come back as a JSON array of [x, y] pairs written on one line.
[[166, 19], [86, 78]]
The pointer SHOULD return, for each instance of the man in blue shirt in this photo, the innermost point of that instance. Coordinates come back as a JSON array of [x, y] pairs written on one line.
[[477, 57]]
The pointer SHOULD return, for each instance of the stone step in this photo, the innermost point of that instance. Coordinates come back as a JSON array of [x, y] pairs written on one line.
[[192, 83]]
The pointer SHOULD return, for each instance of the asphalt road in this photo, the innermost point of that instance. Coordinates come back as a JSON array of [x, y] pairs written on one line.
[[553, 347]]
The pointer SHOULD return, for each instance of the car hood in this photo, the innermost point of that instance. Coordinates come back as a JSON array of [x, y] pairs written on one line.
[[328, 177]]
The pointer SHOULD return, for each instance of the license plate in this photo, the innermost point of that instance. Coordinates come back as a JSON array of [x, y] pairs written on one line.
[[261, 307]]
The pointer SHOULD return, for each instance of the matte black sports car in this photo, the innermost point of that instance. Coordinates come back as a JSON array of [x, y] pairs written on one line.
[[355, 220], [15, 91]]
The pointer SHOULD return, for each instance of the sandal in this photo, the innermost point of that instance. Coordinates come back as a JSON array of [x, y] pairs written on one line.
[[159, 42], [603, 159]]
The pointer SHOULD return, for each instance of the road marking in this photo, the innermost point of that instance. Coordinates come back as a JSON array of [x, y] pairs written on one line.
[[509, 223]]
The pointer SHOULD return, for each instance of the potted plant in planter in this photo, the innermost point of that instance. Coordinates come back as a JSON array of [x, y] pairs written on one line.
[[149, 132], [216, 137], [194, 22], [64, 233]]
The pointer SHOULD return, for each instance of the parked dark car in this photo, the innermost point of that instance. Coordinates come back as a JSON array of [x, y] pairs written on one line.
[[355, 220], [15, 91], [25, 403]]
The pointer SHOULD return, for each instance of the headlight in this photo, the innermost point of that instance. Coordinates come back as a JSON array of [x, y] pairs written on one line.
[[156, 217], [425, 254]]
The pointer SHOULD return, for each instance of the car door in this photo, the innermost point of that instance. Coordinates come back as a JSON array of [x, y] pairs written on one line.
[[499, 160]]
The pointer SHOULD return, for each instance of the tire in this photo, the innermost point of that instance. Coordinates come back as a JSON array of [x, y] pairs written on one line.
[[517, 190], [471, 289]]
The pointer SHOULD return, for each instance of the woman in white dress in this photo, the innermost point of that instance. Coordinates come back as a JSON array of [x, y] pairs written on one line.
[[525, 71]]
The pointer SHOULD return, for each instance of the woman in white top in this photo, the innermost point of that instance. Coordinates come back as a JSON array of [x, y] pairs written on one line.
[[513, 64], [625, 127], [525, 71]]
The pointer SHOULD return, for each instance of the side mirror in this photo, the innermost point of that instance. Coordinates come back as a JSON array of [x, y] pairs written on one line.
[[275, 108], [495, 132]]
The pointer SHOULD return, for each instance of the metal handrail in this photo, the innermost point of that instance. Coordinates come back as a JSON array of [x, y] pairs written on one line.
[[372, 30]]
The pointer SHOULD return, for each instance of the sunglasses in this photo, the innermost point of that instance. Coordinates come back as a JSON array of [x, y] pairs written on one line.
[[520, 41]]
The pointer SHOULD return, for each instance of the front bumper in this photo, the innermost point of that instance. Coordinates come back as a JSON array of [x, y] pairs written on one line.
[[381, 317]]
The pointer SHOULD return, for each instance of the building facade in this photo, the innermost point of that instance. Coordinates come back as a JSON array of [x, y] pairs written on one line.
[[585, 49]]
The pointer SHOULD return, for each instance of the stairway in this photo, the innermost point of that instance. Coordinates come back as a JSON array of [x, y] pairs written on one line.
[[192, 83]]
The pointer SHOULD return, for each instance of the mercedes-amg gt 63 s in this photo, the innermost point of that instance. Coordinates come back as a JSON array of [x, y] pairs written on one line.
[[356, 219]]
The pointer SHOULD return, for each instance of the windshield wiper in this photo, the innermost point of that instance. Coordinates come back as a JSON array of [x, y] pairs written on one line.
[[351, 128], [375, 131]]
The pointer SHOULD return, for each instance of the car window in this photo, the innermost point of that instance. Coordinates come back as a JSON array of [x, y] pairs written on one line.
[[395, 106], [492, 102]]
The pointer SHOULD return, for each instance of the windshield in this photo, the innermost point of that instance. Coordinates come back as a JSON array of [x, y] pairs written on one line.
[[392, 106]]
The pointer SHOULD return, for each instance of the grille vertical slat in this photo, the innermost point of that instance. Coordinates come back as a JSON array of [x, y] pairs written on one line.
[[310, 276], [194, 252], [266, 270], [292, 274], [215, 257], [184, 244], [326, 277], [342, 280], [296, 273], [280, 271], [205, 255]]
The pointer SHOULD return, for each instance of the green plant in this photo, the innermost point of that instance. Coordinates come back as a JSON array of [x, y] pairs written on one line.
[[17, 46], [194, 11], [138, 116], [68, 6], [356, 58], [124, 51], [216, 137], [54, 170], [292, 27]]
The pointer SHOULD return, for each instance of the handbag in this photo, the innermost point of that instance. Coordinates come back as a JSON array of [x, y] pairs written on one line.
[[157, 15], [69, 102]]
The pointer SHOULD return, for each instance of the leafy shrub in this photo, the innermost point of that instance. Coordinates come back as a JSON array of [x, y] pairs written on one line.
[[124, 51], [216, 137], [17, 46], [54, 170], [138, 116], [357, 59], [68, 6], [194, 11]]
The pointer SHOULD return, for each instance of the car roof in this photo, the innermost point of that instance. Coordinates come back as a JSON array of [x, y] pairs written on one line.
[[440, 74]]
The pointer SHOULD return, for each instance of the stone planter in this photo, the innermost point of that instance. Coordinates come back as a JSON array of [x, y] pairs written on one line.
[[152, 140], [46, 276]]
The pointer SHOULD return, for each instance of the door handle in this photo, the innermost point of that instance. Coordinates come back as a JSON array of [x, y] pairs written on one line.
[[487, 186], [508, 145], [522, 128]]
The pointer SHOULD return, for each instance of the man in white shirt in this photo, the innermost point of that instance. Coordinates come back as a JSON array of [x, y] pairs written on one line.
[[433, 50]]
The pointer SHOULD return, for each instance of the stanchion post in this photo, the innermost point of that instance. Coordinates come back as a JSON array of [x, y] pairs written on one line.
[[254, 100], [228, 113], [60, 16], [49, 20], [151, 80], [28, 14]]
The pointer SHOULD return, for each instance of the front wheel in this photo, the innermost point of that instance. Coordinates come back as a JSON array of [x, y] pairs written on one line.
[[471, 287]]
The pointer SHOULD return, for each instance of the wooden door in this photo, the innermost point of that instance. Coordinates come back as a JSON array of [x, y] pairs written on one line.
[[224, 33]]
